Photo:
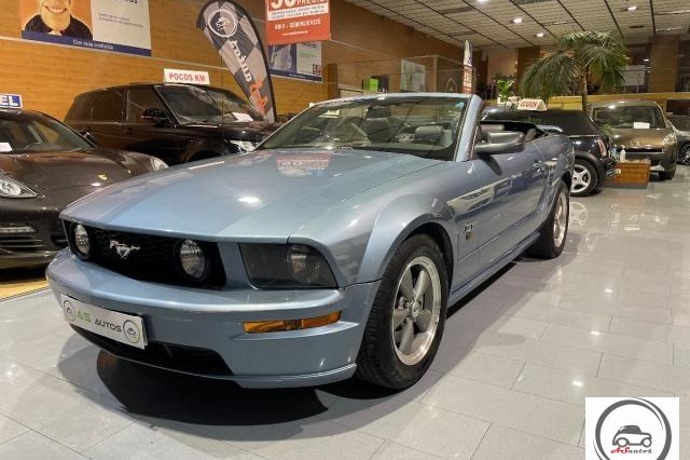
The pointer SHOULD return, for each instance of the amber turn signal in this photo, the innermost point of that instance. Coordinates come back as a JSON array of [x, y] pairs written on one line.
[[290, 324]]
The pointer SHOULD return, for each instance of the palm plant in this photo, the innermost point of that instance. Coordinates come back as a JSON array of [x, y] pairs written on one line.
[[580, 58]]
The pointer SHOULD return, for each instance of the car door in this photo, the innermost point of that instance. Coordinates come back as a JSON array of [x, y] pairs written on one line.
[[155, 137], [514, 184], [107, 116]]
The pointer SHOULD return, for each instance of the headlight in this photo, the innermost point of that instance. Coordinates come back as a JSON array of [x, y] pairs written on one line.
[[156, 164], [80, 238], [286, 266], [192, 260], [10, 188], [670, 139], [245, 146]]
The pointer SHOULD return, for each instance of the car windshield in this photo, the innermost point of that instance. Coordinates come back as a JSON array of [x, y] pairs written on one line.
[[193, 104], [568, 122], [426, 126], [32, 134], [681, 122], [628, 117]]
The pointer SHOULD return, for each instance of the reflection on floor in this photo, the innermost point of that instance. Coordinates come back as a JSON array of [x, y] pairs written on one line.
[[18, 282], [611, 317]]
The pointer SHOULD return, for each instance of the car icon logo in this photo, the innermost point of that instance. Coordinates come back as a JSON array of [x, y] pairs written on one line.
[[631, 435]]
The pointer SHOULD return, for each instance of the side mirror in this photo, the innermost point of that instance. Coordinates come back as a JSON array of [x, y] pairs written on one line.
[[155, 115]]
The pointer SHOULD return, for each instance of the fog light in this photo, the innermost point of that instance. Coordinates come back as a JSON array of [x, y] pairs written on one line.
[[290, 324], [81, 240], [192, 259]]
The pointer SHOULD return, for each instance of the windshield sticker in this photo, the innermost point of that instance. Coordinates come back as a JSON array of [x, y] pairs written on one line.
[[640, 125], [5, 147]]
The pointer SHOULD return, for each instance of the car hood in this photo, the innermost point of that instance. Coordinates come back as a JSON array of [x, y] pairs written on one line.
[[64, 169], [640, 138], [262, 195]]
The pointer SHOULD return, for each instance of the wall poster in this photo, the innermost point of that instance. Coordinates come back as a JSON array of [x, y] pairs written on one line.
[[297, 21], [296, 60], [112, 25]]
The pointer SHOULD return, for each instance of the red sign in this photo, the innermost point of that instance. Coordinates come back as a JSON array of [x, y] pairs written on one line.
[[297, 21]]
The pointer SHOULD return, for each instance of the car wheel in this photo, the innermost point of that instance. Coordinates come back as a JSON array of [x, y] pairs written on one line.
[[621, 442], [667, 175], [684, 154], [646, 442], [407, 318], [585, 178], [553, 233]]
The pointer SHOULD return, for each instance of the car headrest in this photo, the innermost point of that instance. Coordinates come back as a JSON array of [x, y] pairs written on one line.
[[428, 134]]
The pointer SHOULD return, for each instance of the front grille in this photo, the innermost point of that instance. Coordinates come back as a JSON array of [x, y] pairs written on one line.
[[151, 258], [168, 356], [22, 243]]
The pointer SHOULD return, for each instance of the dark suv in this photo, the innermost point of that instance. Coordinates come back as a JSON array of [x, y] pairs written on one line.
[[593, 163], [175, 122]]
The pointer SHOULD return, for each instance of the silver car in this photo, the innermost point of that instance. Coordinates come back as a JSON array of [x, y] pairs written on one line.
[[332, 251]]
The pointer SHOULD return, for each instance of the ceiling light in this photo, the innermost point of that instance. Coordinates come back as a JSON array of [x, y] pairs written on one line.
[[482, 1], [664, 13], [645, 60], [517, 20], [631, 8], [540, 34]]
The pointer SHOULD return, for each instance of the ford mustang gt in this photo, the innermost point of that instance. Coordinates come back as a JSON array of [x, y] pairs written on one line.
[[333, 250]]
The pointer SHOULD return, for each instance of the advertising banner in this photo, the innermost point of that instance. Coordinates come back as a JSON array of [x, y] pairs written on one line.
[[121, 26], [297, 21], [232, 33], [296, 60]]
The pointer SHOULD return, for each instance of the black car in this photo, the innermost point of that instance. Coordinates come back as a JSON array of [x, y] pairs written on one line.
[[681, 123], [175, 122], [44, 166], [593, 163]]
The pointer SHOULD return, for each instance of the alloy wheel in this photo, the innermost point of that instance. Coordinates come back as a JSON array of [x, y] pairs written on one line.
[[417, 310], [581, 179], [560, 219]]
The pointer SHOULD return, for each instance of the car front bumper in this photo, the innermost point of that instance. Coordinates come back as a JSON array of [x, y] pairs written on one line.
[[210, 323], [30, 233]]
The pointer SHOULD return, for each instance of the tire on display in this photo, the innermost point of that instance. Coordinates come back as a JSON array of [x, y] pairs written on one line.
[[553, 233], [407, 318], [585, 178]]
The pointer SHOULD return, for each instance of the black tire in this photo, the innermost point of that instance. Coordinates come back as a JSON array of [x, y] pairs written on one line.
[[585, 178], [684, 154], [667, 175], [381, 361], [553, 234]]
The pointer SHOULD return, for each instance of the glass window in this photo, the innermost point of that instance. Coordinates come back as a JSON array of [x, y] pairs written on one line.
[[139, 100], [109, 106], [629, 117], [211, 105], [571, 122], [426, 126], [31, 134]]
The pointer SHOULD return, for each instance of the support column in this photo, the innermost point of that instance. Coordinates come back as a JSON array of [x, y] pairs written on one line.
[[525, 58], [663, 63]]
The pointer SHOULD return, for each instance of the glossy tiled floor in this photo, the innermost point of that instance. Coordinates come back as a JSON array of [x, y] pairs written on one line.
[[610, 317]]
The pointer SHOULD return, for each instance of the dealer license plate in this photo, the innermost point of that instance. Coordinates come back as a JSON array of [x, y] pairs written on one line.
[[127, 329]]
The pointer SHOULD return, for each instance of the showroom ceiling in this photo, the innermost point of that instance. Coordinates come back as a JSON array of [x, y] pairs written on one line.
[[492, 25]]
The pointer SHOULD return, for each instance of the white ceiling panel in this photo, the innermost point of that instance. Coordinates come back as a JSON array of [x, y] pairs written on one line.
[[490, 28]]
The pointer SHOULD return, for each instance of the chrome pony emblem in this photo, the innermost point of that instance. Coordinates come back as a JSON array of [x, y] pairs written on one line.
[[122, 249]]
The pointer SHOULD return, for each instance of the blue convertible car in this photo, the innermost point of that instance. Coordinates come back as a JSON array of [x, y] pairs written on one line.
[[331, 251]]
